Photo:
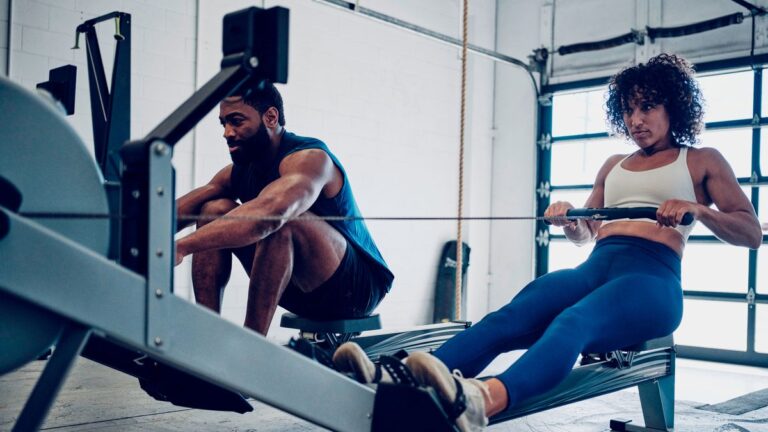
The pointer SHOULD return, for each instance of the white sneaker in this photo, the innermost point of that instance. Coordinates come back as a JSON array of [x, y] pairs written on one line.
[[349, 357], [431, 372]]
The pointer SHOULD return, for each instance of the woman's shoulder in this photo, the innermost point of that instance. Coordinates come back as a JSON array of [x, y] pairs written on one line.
[[608, 166], [707, 161], [614, 159], [705, 155]]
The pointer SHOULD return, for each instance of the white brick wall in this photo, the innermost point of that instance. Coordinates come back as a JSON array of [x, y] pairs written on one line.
[[163, 63], [4, 23], [514, 154]]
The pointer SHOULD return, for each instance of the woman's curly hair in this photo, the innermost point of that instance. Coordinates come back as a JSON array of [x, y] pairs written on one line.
[[667, 80]]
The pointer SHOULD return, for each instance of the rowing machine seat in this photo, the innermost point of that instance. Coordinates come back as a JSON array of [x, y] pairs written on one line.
[[623, 358], [330, 332]]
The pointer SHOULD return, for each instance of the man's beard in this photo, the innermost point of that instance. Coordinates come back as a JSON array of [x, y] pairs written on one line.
[[250, 148]]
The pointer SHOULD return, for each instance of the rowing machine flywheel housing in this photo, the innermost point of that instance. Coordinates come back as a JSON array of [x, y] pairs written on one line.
[[43, 158]]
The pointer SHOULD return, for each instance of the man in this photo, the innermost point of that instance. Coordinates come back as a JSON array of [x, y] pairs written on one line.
[[321, 269]]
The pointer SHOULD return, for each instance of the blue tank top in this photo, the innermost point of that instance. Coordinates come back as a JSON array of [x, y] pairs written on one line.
[[247, 181]]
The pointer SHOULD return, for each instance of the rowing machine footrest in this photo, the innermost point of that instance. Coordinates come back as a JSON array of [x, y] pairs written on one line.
[[167, 384], [163, 382], [408, 408], [342, 326], [313, 351]]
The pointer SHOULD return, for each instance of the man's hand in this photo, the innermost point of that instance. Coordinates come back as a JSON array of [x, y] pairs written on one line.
[[671, 212], [180, 253]]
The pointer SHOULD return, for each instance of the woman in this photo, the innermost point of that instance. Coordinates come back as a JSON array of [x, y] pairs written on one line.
[[602, 305]]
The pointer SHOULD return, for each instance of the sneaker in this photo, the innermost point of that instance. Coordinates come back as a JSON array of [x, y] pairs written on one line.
[[349, 357], [431, 372]]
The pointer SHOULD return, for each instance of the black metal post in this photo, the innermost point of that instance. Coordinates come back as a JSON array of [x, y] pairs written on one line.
[[40, 401], [110, 111]]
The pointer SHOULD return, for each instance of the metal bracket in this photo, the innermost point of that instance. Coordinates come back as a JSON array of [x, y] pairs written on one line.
[[537, 61], [543, 190], [545, 142], [620, 359], [761, 32], [542, 238], [161, 250], [545, 99], [751, 297]]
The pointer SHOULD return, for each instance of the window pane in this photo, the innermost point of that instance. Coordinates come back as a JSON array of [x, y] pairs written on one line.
[[764, 148], [578, 113], [578, 161], [728, 331], [727, 96], [762, 272], [762, 208], [564, 254], [715, 267], [764, 98], [761, 328], [575, 197], [700, 229], [735, 145]]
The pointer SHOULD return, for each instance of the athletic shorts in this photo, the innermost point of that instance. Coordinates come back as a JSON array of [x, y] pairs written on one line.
[[353, 291]]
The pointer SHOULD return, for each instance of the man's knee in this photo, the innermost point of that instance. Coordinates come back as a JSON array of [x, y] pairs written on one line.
[[217, 207], [283, 234], [307, 227], [297, 230]]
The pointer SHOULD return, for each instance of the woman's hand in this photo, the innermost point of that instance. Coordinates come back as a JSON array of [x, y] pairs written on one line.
[[556, 214], [671, 212]]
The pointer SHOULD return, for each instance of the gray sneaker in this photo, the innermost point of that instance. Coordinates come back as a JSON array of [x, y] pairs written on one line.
[[349, 357], [431, 372]]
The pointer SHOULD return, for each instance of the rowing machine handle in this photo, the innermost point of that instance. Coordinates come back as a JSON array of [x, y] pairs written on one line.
[[612, 213]]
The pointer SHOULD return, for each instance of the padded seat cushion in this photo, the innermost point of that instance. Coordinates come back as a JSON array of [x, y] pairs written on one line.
[[662, 342], [350, 325]]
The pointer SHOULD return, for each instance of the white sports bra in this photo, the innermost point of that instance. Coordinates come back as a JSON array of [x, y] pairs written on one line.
[[650, 188]]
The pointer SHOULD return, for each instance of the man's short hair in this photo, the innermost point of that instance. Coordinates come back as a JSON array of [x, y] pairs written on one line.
[[262, 95]]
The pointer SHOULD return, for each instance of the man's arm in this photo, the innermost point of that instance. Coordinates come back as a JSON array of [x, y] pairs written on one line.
[[303, 175], [191, 203]]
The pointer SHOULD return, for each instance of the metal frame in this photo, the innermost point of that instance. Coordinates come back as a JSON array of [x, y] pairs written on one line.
[[68, 347], [105, 298], [110, 111], [756, 180], [653, 371], [396, 22]]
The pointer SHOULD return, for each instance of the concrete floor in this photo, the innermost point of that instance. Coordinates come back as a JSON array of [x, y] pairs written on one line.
[[96, 398]]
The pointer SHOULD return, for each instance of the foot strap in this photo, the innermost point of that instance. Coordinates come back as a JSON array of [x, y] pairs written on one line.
[[397, 370], [312, 351], [459, 404]]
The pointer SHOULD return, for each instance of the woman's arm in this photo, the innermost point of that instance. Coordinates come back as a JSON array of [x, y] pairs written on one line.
[[734, 221], [583, 231]]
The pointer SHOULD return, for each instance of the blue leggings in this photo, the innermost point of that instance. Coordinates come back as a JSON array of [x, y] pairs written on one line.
[[628, 291]]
